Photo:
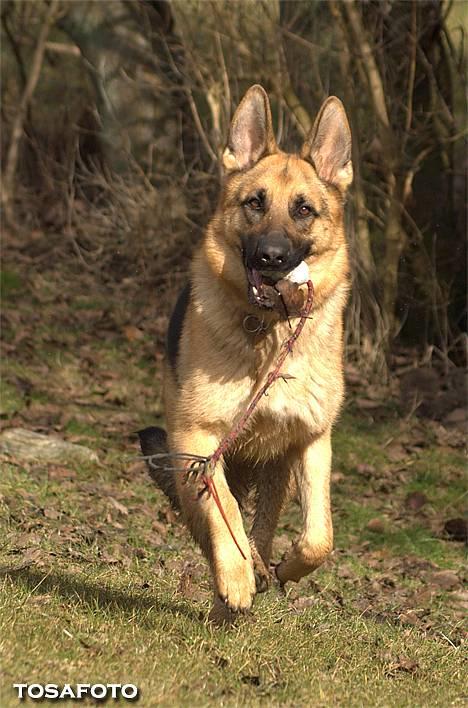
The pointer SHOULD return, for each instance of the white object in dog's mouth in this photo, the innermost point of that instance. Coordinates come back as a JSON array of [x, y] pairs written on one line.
[[299, 275]]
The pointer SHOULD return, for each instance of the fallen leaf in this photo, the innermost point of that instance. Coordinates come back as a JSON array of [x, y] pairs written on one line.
[[412, 566], [28, 445], [188, 586], [112, 560], [33, 555], [415, 501], [423, 598], [133, 333], [168, 515], [457, 529], [367, 404], [51, 513], [459, 415], [410, 618], [386, 581], [303, 603], [346, 572], [396, 452], [460, 598], [118, 506], [366, 470], [117, 394], [26, 540], [159, 527], [59, 472], [376, 525], [402, 663], [451, 438], [337, 477], [444, 579]]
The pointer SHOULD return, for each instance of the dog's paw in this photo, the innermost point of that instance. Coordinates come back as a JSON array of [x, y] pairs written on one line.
[[262, 580], [222, 616], [302, 560], [263, 577], [236, 586]]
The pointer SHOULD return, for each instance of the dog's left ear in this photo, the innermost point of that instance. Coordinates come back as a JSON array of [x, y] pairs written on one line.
[[328, 146], [251, 134]]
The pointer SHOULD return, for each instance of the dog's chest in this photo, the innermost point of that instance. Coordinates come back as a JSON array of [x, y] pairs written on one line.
[[288, 416], [302, 388], [301, 401], [268, 437], [297, 396]]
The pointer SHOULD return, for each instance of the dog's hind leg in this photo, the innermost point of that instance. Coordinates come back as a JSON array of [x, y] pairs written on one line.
[[272, 484], [233, 574]]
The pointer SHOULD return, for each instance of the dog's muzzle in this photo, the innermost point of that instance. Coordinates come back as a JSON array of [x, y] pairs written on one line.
[[268, 259]]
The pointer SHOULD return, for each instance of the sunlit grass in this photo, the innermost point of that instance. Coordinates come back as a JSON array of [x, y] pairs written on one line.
[[105, 604]]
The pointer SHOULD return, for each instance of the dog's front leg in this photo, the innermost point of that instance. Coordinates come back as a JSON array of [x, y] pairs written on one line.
[[233, 575], [316, 539]]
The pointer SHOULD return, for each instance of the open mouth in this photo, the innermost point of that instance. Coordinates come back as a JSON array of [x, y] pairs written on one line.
[[282, 291], [262, 288]]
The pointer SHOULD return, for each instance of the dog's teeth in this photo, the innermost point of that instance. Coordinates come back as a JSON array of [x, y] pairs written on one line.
[[255, 291]]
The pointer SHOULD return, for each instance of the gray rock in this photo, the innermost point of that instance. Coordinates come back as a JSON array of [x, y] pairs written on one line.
[[26, 445]]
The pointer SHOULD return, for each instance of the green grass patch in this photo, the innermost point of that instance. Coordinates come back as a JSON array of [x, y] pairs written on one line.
[[11, 400], [100, 628], [10, 283], [101, 584]]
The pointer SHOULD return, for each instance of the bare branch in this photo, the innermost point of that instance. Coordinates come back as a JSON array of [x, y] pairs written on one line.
[[11, 161]]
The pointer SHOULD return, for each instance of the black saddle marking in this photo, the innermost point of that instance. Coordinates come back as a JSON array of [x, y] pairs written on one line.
[[176, 324]]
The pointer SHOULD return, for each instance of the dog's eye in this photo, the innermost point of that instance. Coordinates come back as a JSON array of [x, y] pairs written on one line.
[[305, 210], [255, 203]]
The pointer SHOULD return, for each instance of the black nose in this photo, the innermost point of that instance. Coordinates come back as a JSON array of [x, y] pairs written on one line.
[[272, 252]]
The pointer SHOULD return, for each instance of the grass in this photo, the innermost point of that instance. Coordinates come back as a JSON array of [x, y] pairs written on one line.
[[10, 283], [100, 583], [107, 630], [97, 592]]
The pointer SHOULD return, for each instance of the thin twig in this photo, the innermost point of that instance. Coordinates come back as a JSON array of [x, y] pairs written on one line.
[[271, 378], [11, 161], [412, 74], [200, 467]]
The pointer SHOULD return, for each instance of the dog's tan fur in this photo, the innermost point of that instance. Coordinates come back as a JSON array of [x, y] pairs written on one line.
[[220, 365]]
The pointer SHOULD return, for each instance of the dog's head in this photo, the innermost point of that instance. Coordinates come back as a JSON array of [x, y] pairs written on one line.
[[279, 209]]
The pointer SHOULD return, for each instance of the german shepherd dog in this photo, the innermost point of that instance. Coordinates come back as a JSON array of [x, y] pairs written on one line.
[[276, 210]]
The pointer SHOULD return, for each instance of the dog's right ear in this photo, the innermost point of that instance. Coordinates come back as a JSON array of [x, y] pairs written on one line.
[[251, 134]]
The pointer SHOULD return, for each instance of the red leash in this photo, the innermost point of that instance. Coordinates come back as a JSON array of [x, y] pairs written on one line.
[[210, 486], [230, 438]]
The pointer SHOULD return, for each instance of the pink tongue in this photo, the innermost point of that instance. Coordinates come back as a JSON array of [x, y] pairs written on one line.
[[255, 278]]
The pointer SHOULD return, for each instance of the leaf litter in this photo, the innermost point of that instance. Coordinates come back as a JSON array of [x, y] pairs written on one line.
[[92, 376]]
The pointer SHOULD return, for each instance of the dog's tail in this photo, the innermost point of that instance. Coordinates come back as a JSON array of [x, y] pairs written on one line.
[[153, 441]]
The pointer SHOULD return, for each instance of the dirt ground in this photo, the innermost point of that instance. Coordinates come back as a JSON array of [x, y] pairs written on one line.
[[101, 581]]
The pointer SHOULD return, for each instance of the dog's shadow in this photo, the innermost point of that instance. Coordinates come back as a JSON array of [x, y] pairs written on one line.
[[93, 594]]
